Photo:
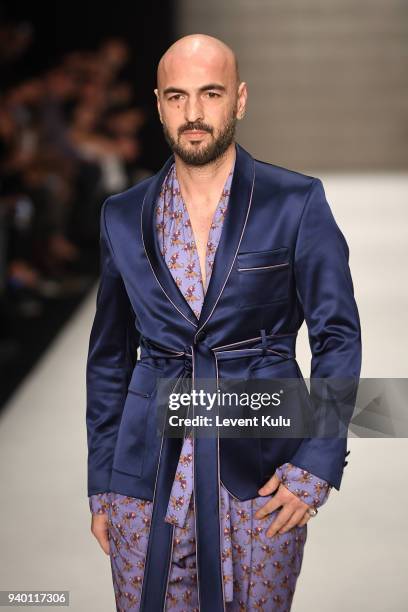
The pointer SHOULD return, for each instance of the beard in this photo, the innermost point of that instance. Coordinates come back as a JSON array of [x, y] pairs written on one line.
[[205, 154]]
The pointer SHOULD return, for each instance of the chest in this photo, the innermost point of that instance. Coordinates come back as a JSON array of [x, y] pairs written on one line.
[[200, 222]]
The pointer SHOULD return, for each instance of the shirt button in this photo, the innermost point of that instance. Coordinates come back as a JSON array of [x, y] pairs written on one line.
[[200, 336]]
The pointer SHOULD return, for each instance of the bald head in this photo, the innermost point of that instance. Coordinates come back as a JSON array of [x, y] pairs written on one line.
[[197, 51], [199, 98]]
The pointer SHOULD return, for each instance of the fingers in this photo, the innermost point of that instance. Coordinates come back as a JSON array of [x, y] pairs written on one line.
[[293, 512], [281, 519], [270, 506], [99, 528], [304, 520], [282, 496], [272, 484], [284, 525]]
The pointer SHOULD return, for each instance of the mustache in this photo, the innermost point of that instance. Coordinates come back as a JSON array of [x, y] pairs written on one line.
[[195, 126]]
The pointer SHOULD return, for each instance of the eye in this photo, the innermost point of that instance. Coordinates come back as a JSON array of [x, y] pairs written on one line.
[[175, 97], [213, 94]]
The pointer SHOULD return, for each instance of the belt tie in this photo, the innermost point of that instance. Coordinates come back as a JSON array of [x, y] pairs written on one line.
[[202, 362]]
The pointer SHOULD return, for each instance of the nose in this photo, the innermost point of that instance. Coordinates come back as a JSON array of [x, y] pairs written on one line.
[[193, 110]]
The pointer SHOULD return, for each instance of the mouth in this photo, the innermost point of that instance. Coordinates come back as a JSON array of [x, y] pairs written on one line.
[[195, 132]]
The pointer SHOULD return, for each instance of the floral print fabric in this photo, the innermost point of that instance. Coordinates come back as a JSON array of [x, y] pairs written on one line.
[[259, 572]]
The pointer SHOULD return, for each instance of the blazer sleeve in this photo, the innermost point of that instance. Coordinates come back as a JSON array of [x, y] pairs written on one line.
[[325, 290], [112, 354]]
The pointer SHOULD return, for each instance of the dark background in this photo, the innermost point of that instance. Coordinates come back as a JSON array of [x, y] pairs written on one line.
[[58, 28]]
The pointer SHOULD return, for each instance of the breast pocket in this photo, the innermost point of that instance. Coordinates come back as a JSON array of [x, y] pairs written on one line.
[[263, 277], [132, 442]]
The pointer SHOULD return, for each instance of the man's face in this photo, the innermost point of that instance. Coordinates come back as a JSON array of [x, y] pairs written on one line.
[[198, 103]]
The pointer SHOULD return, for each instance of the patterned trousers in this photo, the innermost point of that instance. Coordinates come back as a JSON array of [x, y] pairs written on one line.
[[262, 572]]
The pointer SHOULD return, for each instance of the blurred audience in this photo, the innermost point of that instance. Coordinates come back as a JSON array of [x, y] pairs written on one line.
[[68, 138]]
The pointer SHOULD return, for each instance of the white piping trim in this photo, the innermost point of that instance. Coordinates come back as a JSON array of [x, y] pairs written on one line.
[[256, 338], [169, 572], [232, 495], [195, 522], [253, 349], [235, 343], [219, 498], [148, 259], [233, 261], [282, 265], [153, 501], [194, 486]]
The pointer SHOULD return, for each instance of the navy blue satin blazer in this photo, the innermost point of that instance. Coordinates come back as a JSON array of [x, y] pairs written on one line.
[[281, 260]]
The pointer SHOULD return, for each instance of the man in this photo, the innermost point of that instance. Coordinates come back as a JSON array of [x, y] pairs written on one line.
[[210, 267]]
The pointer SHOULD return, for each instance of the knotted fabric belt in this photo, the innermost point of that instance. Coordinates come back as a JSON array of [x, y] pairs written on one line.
[[202, 362]]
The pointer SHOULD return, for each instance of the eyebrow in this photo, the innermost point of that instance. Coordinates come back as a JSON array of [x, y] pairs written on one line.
[[203, 88]]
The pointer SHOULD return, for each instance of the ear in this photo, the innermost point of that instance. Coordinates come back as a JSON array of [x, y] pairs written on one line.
[[242, 100], [156, 93]]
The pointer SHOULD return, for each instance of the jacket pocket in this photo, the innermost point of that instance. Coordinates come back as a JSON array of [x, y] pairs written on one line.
[[263, 277], [132, 443]]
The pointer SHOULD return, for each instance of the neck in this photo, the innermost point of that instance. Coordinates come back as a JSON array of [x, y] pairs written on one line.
[[200, 182]]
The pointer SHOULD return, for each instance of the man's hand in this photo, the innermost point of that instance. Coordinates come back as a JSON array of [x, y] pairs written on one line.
[[294, 510], [99, 528]]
